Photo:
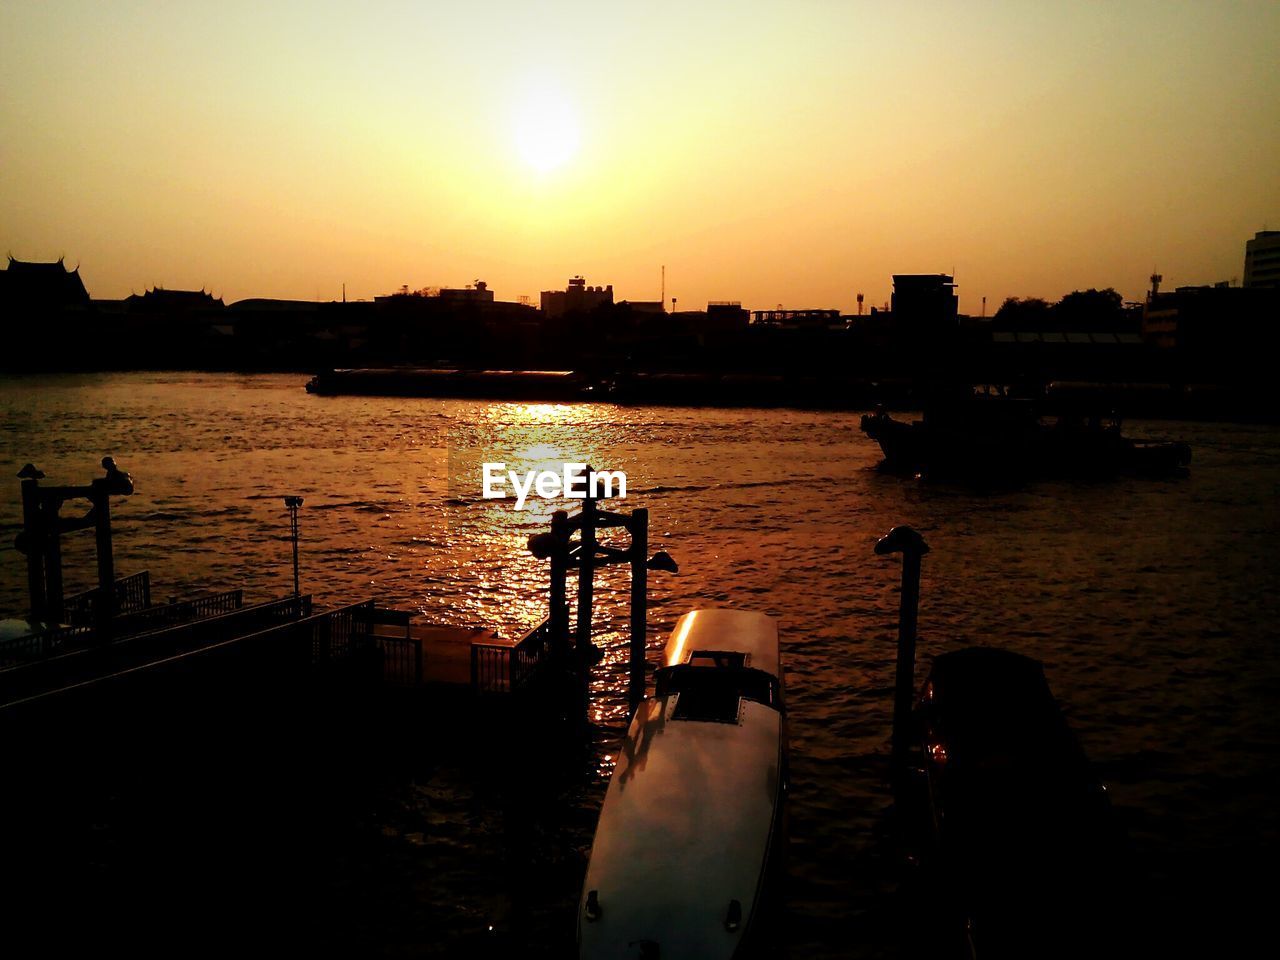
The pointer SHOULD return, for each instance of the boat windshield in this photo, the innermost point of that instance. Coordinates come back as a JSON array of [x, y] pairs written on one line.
[[715, 693]]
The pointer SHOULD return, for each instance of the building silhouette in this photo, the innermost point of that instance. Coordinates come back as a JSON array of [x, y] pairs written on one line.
[[1262, 259], [804, 319], [172, 302], [577, 297], [35, 288], [924, 302]]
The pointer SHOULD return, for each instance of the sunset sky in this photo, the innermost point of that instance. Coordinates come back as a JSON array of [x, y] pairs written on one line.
[[768, 152]]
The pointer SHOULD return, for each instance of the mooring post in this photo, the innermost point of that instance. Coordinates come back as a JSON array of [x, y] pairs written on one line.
[[912, 546], [52, 524], [559, 556], [106, 606], [116, 482], [32, 542], [585, 653], [638, 527], [586, 576]]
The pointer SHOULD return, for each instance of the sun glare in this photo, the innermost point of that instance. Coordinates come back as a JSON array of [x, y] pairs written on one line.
[[546, 131]]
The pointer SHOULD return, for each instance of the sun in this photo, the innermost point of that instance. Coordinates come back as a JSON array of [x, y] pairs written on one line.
[[546, 131]]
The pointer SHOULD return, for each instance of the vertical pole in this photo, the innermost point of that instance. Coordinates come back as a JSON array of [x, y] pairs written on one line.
[[106, 607], [559, 612], [585, 653], [639, 528], [33, 542], [904, 683], [912, 546], [292, 503], [586, 574], [293, 532], [52, 559]]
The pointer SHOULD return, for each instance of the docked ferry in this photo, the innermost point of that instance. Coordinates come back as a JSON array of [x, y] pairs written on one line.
[[692, 828]]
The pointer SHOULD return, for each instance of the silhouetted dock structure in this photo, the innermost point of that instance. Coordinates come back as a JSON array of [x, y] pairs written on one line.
[[113, 643]]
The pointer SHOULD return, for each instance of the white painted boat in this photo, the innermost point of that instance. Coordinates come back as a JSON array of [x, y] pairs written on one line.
[[692, 820]]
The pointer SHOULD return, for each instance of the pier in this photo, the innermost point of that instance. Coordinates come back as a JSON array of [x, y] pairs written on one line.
[[234, 747], [113, 641]]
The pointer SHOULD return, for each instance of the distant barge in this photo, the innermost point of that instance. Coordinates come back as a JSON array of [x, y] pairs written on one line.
[[564, 386], [527, 385]]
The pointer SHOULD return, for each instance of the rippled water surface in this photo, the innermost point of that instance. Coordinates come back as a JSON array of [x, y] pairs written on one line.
[[1153, 604]]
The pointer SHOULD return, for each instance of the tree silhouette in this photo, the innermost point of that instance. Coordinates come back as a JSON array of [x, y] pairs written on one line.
[[1090, 310], [1029, 313]]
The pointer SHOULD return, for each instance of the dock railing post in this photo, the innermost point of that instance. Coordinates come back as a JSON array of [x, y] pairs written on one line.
[[639, 530], [912, 546]]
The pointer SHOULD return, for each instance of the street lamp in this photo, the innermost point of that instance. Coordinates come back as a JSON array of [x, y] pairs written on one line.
[[293, 503]]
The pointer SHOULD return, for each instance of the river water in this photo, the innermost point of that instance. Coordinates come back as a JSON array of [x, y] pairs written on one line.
[[1152, 604]]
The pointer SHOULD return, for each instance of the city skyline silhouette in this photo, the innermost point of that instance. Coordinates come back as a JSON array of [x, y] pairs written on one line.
[[762, 153]]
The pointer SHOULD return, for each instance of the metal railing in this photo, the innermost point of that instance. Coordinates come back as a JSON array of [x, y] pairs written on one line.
[[86, 662], [335, 632], [44, 643], [133, 593], [504, 668], [490, 668], [401, 655], [276, 654], [178, 611], [332, 637]]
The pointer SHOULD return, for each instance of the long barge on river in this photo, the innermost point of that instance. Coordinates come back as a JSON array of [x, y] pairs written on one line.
[[666, 388]]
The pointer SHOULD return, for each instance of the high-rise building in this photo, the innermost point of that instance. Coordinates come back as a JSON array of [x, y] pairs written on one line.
[[924, 301], [1262, 259], [577, 297]]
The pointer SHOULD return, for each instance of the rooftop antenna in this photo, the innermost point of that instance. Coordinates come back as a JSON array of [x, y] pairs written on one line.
[[663, 296]]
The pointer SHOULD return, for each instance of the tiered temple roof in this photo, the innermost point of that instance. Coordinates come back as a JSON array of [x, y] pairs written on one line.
[[42, 285]]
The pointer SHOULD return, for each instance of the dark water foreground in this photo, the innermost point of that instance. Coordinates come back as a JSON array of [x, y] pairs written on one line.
[[386, 829]]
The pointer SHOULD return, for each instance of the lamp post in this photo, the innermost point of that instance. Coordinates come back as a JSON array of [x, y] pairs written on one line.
[[293, 503]]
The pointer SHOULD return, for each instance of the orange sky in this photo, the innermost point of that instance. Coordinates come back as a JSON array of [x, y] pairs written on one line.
[[791, 153]]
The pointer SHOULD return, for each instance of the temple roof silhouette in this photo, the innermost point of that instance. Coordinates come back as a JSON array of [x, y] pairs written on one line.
[[158, 298], [42, 284]]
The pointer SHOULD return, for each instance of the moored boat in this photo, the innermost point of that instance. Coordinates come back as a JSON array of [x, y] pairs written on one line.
[[1025, 848], [692, 821], [1001, 439]]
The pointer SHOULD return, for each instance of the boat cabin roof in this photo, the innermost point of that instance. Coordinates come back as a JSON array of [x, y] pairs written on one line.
[[725, 638]]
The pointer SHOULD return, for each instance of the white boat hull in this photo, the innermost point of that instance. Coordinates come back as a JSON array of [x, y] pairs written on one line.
[[693, 810]]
